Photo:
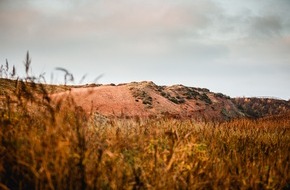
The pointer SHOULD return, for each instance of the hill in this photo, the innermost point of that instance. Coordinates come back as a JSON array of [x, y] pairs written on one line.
[[146, 99], [261, 107]]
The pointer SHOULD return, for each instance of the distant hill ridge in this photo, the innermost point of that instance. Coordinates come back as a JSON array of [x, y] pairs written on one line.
[[146, 99]]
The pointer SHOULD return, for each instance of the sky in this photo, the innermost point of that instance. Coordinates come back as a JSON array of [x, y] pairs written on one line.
[[239, 48]]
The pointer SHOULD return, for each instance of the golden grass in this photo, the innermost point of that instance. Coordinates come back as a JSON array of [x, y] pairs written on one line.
[[45, 145]]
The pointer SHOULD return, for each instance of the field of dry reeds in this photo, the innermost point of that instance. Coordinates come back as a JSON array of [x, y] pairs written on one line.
[[52, 145]]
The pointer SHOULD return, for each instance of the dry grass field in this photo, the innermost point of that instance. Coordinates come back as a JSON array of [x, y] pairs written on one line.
[[45, 145]]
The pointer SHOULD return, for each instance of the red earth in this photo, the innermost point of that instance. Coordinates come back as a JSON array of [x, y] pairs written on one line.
[[147, 99]]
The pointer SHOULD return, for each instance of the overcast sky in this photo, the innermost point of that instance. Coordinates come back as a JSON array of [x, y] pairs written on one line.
[[239, 48]]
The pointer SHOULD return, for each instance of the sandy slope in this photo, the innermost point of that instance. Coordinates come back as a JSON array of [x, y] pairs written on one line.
[[146, 99], [107, 100]]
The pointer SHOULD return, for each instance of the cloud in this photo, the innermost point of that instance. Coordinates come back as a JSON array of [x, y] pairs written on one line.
[[267, 26], [116, 18]]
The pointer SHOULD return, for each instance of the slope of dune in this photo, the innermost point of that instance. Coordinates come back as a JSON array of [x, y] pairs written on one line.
[[148, 99]]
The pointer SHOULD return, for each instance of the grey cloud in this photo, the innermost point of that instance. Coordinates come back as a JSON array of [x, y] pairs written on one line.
[[252, 20], [126, 26], [19, 24], [267, 26], [128, 17]]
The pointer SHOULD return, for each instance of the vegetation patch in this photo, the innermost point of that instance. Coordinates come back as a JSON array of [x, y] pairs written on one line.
[[260, 107], [190, 93], [205, 98], [176, 99], [139, 94], [220, 95], [167, 93]]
